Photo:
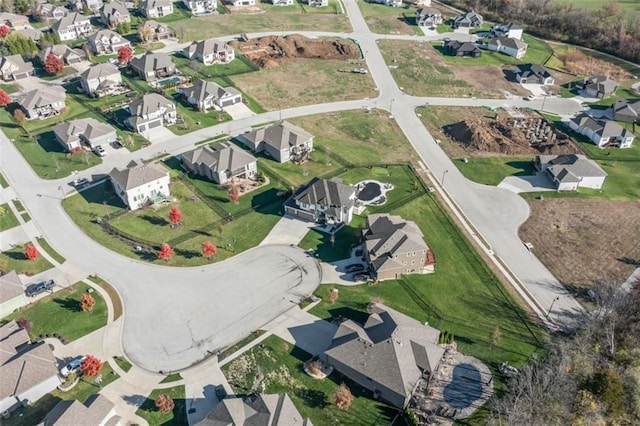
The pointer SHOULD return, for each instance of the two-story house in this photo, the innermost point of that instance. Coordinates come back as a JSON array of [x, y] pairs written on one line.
[[282, 2], [13, 21], [72, 135], [72, 26], [428, 17], [323, 200], [156, 8], [603, 133], [210, 51], [468, 20], [201, 6], [43, 103], [156, 31], [151, 111], [62, 51], [107, 42], [101, 80], [597, 86], [204, 95], [153, 65], [140, 184], [114, 13], [318, 3], [13, 67], [220, 163], [46, 11], [281, 141]]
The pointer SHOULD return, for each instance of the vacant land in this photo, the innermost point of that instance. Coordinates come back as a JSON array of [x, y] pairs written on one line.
[[422, 71], [178, 416], [383, 19], [585, 241]]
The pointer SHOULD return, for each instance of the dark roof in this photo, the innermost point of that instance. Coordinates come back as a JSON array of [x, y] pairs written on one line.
[[629, 107], [532, 69], [326, 192], [224, 156], [458, 46], [152, 61], [280, 135]]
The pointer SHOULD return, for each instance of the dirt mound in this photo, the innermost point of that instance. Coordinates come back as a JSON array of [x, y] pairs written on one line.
[[269, 52], [528, 136]]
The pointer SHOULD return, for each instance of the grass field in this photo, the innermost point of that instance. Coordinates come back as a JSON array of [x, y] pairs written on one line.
[[383, 19], [172, 378], [178, 416], [60, 313], [3, 181], [632, 5], [492, 170], [16, 259], [281, 364], [122, 363], [7, 219]]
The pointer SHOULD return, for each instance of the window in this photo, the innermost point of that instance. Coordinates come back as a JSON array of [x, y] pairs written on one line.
[[413, 262], [414, 253]]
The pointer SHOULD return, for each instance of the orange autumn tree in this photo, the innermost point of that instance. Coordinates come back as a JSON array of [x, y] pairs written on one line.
[[175, 215], [87, 302], [164, 403], [165, 252], [31, 252], [209, 249], [91, 366]]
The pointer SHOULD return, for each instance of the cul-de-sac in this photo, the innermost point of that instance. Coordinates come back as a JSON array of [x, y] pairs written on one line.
[[319, 212]]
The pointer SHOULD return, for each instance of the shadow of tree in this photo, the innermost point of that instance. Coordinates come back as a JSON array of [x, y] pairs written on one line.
[[311, 397], [70, 304], [155, 220], [188, 254]]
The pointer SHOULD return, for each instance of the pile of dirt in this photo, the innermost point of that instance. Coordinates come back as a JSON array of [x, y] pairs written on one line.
[[269, 52], [576, 62], [518, 137]]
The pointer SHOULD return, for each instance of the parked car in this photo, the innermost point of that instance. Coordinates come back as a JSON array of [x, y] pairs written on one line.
[[362, 277], [531, 98], [80, 182], [221, 392], [354, 267], [99, 150], [73, 366], [35, 289]]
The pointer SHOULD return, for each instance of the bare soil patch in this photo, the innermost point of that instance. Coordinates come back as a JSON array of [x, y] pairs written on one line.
[[585, 241], [269, 52]]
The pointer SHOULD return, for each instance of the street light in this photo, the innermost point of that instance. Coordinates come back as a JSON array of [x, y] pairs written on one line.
[[61, 191], [551, 307], [391, 107], [443, 176], [544, 99]]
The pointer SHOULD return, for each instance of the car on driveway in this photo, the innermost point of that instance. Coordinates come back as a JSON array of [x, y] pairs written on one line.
[[80, 182], [362, 276], [354, 267], [99, 150], [73, 366], [35, 289]]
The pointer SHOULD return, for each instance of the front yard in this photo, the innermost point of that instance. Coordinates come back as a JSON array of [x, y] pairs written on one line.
[[15, 259], [178, 416]]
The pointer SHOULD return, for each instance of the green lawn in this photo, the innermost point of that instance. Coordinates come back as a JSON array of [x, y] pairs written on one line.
[[25, 216], [46, 247], [122, 363], [383, 19], [345, 240], [7, 219], [9, 88], [492, 170], [281, 364], [172, 378], [3, 181], [16, 259], [88, 386], [60, 313], [193, 119], [240, 65], [624, 91], [116, 302], [178, 416]]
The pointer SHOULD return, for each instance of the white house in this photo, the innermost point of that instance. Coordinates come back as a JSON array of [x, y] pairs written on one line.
[[210, 51], [72, 135], [156, 8], [318, 3], [140, 184], [282, 2], [100, 79], [72, 26], [428, 17], [281, 141], [151, 111], [603, 133], [323, 200], [205, 95], [107, 42], [242, 3], [568, 172], [509, 30], [48, 11], [392, 3], [201, 6], [509, 46], [28, 370], [12, 294], [468, 20], [220, 163], [13, 67]]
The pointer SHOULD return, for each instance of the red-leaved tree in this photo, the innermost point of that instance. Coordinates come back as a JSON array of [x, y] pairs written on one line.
[[125, 54], [175, 215], [4, 30], [165, 252], [53, 65], [31, 252], [234, 194], [164, 403], [87, 302], [5, 99], [208, 249], [91, 366]]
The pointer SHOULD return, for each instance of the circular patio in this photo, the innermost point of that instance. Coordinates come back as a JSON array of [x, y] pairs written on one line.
[[372, 192]]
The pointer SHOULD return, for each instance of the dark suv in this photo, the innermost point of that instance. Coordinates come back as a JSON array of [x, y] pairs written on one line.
[[35, 289]]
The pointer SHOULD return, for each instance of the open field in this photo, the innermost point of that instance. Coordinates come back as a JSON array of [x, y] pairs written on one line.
[[7, 219], [178, 416], [306, 82], [282, 366], [383, 19], [60, 313], [632, 5], [16, 259], [585, 241], [492, 170]]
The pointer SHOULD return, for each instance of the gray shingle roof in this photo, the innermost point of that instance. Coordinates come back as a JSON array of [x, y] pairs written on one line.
[[527, 70], [42, 97], [136, 175], [114, 8], [152, 4], [224, 156], [603, 128], [74, 413], [600, 83], [152, 61], [202, 90], [281, 135], [578, 165], [10, 286], [628, 107], [104, 70], [326, 192], [150, 104], [71, 19], [70, 131], [512, 43], [210, 45], [16, 61]]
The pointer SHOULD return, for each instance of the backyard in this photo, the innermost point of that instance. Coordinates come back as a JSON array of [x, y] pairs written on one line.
[[60, 314], [178, 416], [15, 259]]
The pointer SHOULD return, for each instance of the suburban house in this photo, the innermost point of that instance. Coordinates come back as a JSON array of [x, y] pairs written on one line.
[[48, 11], [388, 355], [509, 46], [509, 30], [158, 31], [98, 410], [220, 163], [93, 5], [568, 172], [255, 410], [468, 20], [72, 26], [151, 111], [318, 3], [281, 141], [107, 42], [12, 294], [83, 131], [62, 51], [428, 17], [101, 79], [13, 21], [393, 247], [201, 6], [13, 67], [603, 133], [204, 95], [155, 8], [114, 13], [43, 103], [323, 200], [210, 51], [392, 3], [31, 33], [282, 2], [457, 48], [627, 110], [533, 74], [153, 65], [28, 370], [597, 86], [140, 184], [242, 3]]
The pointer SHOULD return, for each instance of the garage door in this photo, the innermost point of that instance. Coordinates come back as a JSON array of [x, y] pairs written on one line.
[[229, 102], [21, 76], [155, 124]]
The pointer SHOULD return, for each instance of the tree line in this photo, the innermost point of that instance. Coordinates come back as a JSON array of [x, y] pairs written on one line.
[[611, 29]]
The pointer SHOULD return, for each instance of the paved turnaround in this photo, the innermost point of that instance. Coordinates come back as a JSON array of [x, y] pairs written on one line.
[[175, 317]]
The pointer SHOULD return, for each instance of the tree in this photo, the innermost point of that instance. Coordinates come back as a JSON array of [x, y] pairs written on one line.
[[87, 302], [19, 117], [125, 54], [24, 323], [5, 99], [208, 249], [175, 215], [123, 28], [234, 194], [164, 403], [4, 30], [53, 65], [343, 397], [31, 252], [91, 366], [21, 6], [145, 33], [165, 252], [19, 44]]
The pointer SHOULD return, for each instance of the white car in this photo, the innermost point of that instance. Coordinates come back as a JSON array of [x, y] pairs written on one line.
[[73, 366], [99, 150]]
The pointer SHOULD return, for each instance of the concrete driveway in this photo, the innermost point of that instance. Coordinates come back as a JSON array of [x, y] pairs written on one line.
[[239, 111], [306, 331], [533, 183], [288, 230]]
